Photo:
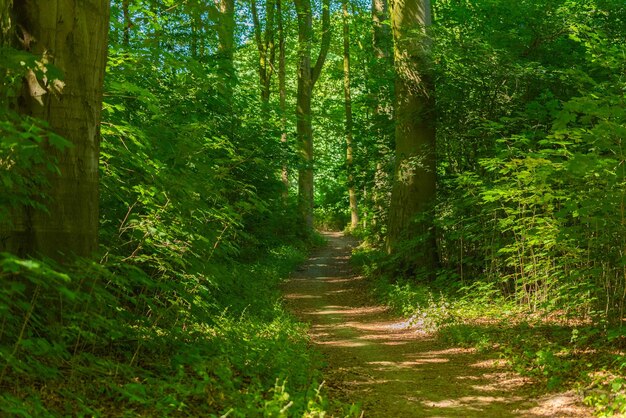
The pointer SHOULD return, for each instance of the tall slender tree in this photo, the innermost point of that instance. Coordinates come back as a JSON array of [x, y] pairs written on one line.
[[264, 36], [307, 77], [282, 90], [354, 214], [414, 182], [73, 39]]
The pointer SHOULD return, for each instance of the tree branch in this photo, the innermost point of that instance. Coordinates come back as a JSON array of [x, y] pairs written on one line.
[[257, 27], [325, 44]]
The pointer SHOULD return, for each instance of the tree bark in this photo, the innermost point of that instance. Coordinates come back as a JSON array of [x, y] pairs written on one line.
[[128, 24], [74, 34], [195, 29], [381, 105], [266, 47], [5, 21], [354, 214], [381, 35], [307, 76], [226, 47], [282, 92], [414, 183]]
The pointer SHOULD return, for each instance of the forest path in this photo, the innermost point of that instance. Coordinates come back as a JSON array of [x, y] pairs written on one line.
[[393, 370]]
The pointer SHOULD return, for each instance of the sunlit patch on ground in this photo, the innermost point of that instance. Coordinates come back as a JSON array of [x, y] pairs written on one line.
[[302, 296], [470, 402], [489, 363]]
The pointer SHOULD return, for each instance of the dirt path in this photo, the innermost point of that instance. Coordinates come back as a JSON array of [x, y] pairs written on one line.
[[393, 371]]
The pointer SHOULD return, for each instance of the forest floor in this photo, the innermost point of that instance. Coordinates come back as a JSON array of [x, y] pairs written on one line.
[[391, 369]]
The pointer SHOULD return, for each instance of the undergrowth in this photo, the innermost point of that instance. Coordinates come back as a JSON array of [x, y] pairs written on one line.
[[555, 349], [179, 314], [104, 340]]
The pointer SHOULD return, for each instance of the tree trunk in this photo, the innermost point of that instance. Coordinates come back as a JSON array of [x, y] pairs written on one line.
[[307, 76], [304, 131], [354, 214], [381, 35], [414, 181], [195, 29], [5, 21], [75, 35], [226, 47], [266, 47], [381, 105], [128, 24], [282, 92]]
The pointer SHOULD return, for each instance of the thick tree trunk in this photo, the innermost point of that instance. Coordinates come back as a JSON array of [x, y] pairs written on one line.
[[381, 73], [307, 76], [414, 181], [74, 34], [354, 214]]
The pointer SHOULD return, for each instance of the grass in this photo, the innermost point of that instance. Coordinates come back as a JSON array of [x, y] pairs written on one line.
[[106, 340]]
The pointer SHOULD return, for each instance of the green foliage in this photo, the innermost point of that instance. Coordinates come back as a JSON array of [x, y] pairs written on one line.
[[181, 316], [609, 399], [530, 156], [539, 164], [555, 353], [21, 155], [24, 163], [147, 346]]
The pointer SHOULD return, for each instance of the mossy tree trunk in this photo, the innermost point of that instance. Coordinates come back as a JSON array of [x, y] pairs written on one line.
[[73, 36], [282, 91], [264, 36], [414, 183], [307, 76], [380, 79]]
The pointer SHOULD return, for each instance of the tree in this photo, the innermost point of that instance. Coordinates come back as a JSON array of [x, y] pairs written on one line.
[[282, 91], [381, 37], [381, 103], [128, 23], [354, 214], [265, 44], [226, 47], [74, 40], [5, 20], [307, 76], [414, 182]]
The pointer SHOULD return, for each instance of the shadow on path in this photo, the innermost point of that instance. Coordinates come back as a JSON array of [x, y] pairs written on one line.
[[392, 370]]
